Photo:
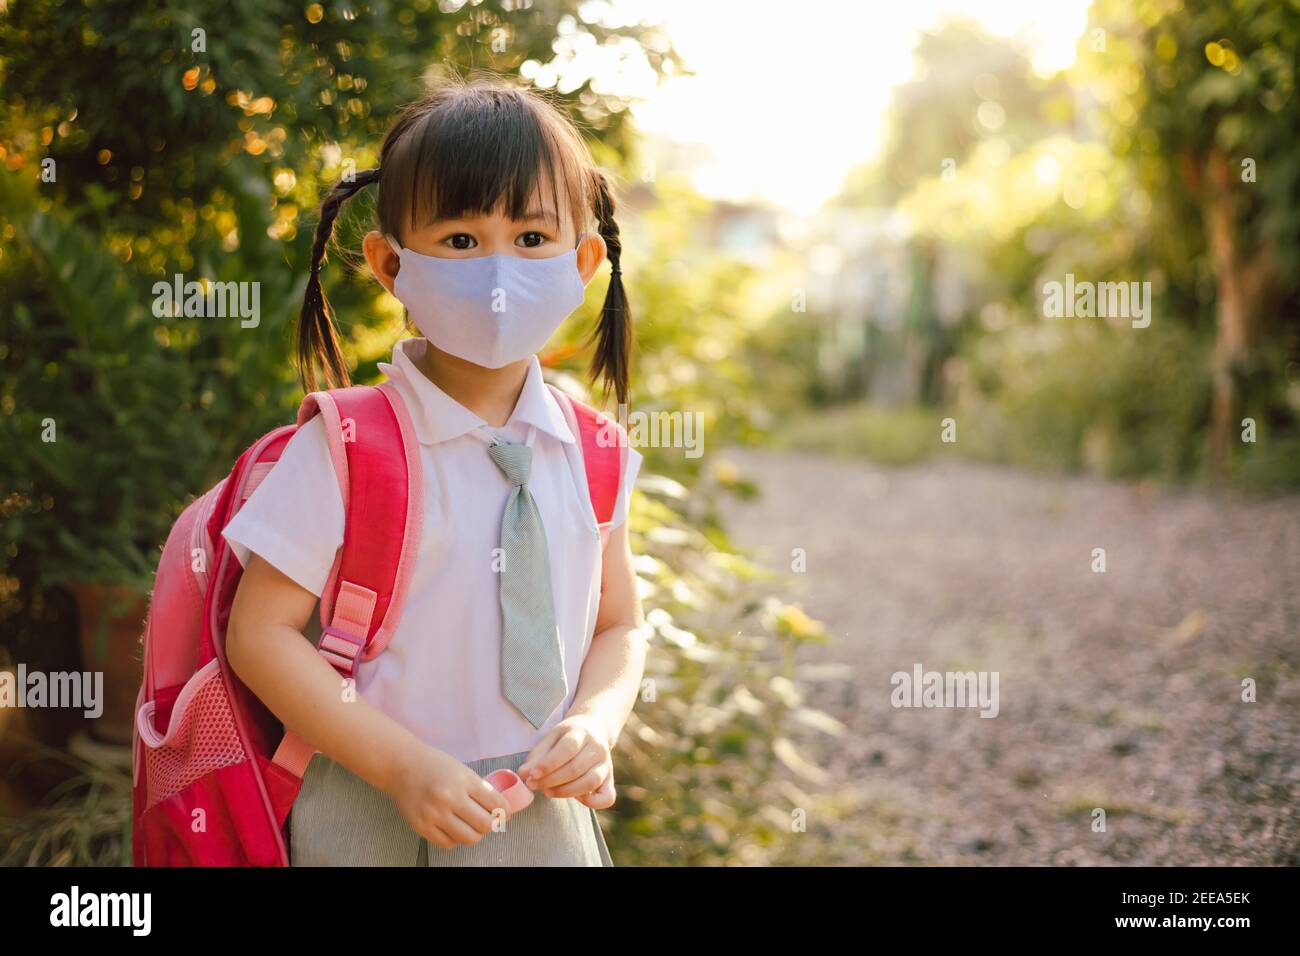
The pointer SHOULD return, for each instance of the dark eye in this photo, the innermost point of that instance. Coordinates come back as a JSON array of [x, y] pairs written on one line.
[[461, 240], [530, 240]]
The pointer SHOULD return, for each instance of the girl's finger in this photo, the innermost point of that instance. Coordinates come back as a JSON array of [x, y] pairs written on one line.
[[581, 762], [489, 799], [438, 837], [602, 798], [475, 814], [462, 830], [540, 749], [585, 784], [566, 746]]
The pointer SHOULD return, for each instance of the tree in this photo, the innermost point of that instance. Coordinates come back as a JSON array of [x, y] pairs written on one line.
[[1213, 109], [969, 87]]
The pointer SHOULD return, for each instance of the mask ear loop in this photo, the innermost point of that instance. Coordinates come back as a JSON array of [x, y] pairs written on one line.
[[396, 246]]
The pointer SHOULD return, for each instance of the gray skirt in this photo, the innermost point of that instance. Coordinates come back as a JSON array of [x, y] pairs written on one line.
[[339, 819]]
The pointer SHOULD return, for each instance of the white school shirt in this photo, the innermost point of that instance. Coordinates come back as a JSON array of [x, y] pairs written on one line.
[[440, 675]]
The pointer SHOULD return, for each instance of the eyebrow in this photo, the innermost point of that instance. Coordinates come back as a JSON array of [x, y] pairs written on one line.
[[545, 214]]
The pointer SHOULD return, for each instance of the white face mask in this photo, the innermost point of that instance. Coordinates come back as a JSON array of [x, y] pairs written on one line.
[[490, 310]]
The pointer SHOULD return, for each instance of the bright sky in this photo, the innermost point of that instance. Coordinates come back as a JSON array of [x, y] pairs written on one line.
[[787, 98]]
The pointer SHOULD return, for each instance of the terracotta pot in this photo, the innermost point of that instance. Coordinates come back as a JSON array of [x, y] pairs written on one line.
[[111, 620]]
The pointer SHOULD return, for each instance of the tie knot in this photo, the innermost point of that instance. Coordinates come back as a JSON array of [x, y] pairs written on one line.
[[514, 459]]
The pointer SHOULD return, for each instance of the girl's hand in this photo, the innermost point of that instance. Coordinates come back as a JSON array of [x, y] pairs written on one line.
[[573, 760], [444, 801]]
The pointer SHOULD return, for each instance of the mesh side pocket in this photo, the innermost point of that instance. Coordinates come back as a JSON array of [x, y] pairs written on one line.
[[201, 736]]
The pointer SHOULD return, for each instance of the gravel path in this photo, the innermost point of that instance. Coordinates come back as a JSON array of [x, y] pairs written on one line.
[[1120, 690]]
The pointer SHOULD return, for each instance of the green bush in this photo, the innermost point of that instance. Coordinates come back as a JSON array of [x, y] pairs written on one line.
[[1123, 403], [1274, 465], [888, 436]]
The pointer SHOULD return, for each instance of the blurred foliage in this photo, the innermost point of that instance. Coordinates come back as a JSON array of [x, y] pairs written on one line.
[[84, 821], [717, 754], [887, 436], [1201, 100], [201, 158], [1119, 406], [208, 163], [1166, 153], [970, 89]]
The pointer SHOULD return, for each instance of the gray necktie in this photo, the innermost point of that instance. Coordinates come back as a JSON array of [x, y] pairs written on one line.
[[532, 663]]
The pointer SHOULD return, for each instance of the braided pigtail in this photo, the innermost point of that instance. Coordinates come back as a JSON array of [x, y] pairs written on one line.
[[318, 341], [613, 335]]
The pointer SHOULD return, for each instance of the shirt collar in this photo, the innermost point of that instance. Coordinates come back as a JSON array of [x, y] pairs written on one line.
[[437, 417]]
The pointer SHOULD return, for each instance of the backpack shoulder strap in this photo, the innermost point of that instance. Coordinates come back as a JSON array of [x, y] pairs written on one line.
[[375, 455], [604, 452]]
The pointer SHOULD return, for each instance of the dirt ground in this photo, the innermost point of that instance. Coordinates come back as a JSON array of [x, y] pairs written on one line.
[[1119, 690]]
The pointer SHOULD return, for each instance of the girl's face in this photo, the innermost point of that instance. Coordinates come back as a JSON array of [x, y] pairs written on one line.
[[534, 236]]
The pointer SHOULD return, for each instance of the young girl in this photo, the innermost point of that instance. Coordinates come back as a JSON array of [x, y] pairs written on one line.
[[486, 196]]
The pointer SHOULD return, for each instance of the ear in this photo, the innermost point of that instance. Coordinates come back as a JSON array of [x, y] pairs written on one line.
[[384, 262], [591, 253]]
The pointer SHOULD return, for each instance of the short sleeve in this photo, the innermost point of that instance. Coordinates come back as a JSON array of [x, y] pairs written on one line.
[[623, 504], [294, 519]]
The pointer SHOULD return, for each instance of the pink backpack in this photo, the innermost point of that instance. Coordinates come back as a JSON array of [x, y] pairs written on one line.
[[215, 774]]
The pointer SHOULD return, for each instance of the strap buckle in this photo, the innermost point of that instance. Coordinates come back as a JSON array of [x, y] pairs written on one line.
[[341, 649]]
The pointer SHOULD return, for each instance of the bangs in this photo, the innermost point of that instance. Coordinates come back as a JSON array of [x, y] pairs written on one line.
[[476, 151]]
